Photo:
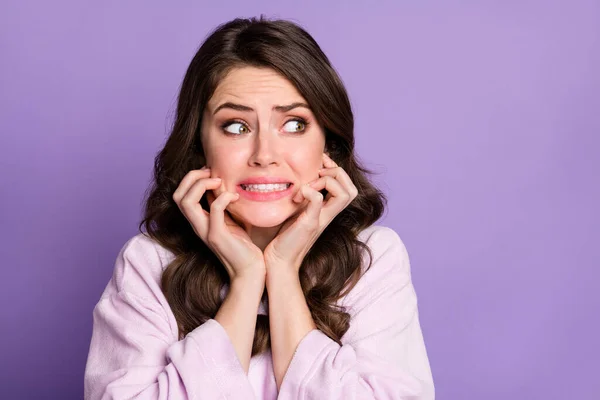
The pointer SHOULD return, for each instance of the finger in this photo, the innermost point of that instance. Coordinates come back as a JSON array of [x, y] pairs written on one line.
[[229, 220], [190, 203], [197, 190], [342, 176], [188, 180], [315, 203], [338, 197], [329, 183], [211, 195], [217, 210]]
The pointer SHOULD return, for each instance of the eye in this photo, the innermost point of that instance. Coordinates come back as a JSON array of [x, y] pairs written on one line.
[[296, 125], [235, 128]]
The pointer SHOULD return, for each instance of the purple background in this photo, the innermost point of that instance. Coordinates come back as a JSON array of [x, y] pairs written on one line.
[[483, 119]]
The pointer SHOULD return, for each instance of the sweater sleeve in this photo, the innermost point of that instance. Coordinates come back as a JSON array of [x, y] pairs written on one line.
[[134, 351], [383, 354]]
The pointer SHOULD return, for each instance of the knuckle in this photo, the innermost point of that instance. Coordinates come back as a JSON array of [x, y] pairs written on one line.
[[200, 230], [216, 205], [212, 236], [211, 239], [186, 202]]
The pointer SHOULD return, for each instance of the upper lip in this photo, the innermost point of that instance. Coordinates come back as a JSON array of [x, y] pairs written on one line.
[[264, 179]]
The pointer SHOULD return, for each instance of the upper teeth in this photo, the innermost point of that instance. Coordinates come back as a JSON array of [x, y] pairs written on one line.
[[270, 187]]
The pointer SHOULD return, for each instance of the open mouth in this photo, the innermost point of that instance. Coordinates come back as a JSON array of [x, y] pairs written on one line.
[[266, 188]]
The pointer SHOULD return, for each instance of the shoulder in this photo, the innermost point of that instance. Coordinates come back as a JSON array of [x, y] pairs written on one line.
[[387, 248], [381, 238], [138, 267], [387, 264]]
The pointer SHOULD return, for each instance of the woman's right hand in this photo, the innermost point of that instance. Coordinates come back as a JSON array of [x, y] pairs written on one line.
[[240, 256]]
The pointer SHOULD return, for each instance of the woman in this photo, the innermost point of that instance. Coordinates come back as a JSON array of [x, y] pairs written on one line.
[[261, 273]]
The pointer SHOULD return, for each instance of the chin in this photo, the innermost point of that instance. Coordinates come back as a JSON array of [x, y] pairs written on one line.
[[263, 215]]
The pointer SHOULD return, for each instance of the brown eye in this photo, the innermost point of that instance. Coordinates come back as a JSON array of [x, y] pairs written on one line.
[[296, 125], [239, 128]]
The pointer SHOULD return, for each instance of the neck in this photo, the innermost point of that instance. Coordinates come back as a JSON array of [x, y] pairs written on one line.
[[260, 236]]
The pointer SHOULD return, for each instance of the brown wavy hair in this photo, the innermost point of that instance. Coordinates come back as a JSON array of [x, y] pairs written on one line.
[[193, 281]]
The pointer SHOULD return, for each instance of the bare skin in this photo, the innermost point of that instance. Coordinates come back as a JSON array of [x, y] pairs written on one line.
[[262, 242]]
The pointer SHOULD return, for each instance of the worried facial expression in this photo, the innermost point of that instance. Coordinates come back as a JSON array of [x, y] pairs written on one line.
[[257, 129]]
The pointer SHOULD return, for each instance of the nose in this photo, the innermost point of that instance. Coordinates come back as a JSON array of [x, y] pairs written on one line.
[[265, 150]]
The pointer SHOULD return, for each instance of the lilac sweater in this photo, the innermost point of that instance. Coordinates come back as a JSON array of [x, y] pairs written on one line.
[[135, 352]]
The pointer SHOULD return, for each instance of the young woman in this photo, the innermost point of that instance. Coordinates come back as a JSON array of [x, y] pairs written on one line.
[[260, 273]]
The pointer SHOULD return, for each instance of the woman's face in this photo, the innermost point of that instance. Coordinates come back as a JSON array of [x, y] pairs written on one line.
[[245, 138]]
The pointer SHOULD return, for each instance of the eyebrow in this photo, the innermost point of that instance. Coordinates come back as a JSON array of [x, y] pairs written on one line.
[[240, 107]]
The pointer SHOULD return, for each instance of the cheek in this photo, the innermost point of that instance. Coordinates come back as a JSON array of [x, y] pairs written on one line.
[[226, 158], [227, 163], [306, 162]]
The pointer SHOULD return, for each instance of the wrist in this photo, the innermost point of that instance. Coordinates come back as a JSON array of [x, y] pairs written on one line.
[[248, 283], [282, 277]]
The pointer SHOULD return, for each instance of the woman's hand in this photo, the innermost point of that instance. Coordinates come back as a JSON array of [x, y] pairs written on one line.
[[241, 257], [297, 235]]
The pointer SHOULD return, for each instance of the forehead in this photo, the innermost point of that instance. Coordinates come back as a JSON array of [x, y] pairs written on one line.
[[252, 85]]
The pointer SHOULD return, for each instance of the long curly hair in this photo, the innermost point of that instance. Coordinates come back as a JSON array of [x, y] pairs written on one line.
[[193, 280]]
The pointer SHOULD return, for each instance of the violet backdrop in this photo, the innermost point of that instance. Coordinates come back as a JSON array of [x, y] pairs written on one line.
[[482, 119]]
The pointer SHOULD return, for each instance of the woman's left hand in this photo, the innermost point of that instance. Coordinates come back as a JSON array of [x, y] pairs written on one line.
[[298, 234]]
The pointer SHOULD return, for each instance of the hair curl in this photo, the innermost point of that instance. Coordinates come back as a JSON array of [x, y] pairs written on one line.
[[193, 281]]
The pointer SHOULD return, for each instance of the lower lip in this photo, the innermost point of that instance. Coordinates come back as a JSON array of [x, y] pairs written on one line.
[[264, 196]]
